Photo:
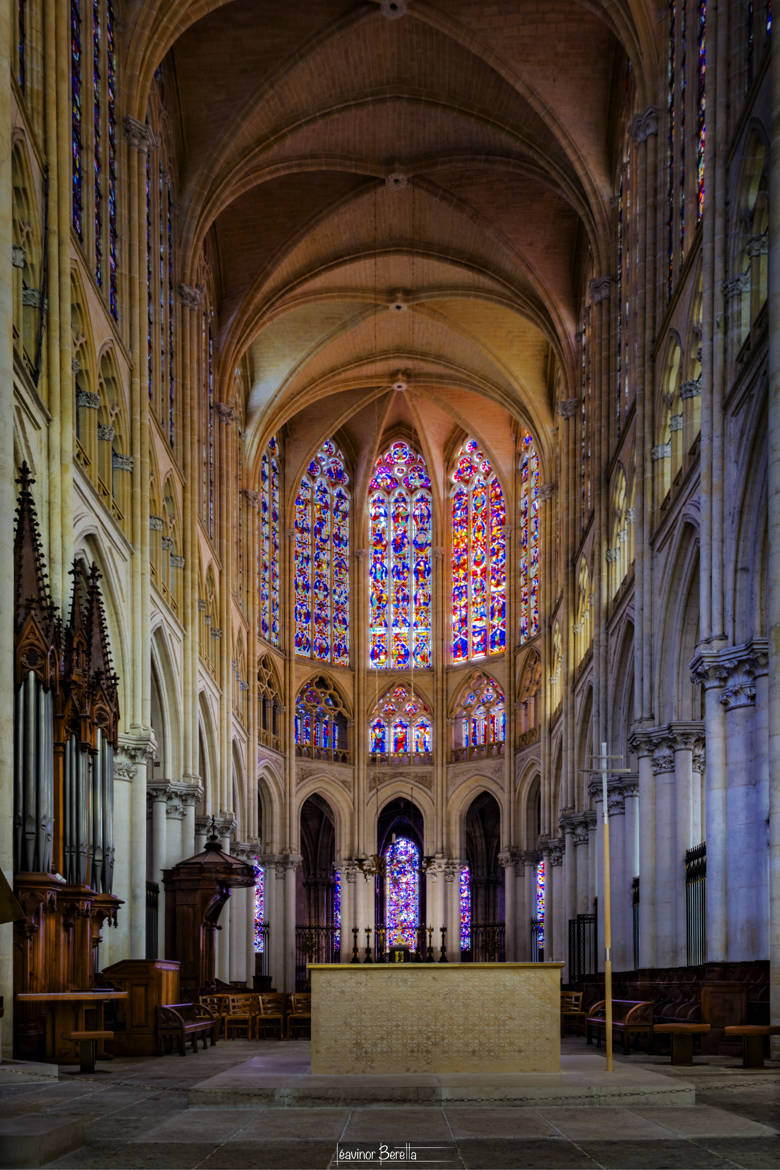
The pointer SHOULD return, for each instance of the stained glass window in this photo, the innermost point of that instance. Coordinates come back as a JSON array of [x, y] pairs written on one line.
[[75, 87], [478, 557], [259, 908], [402, 892], [322, 558], [530, 474], [268, 544], [111, 128], [320, 722], [337, 910], [97, 142], [481, 718], [400, 571], [465, 909], [400, 725], [539, 902]]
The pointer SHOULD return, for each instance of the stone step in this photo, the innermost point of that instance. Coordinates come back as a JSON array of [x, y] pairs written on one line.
[[28, 1140]]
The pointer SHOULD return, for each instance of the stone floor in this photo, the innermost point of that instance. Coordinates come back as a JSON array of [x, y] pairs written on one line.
[[136, 1113]]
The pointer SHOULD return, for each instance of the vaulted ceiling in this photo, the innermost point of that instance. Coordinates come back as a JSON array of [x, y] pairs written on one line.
[[397, 192]]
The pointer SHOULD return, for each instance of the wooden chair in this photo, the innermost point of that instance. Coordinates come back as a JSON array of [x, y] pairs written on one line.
[[242, 1016], [273, 1005], [300, 1012], [571, 1012], [219, 1005]]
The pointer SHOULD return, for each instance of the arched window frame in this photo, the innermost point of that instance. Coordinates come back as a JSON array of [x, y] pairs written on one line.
[[321, 722], [269, 705], [400, 535], [402, 893], [478, 557], [479, 723], [528, 699], [528, 567], [400, 725], [322, 543], [582, 624], [268, 522]]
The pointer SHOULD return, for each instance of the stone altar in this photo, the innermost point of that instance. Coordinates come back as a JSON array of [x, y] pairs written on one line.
[[435, 1017]]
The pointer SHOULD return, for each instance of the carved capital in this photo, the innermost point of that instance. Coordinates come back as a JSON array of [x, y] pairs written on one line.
[[156, 523], [568, 407], [88, 399], [18, 257], [139, 135], [190, 297], [545, 491], [105, 433], [600, 289], [225, 412], [690, 389], [735, 286], [252, 498], [121, 462], [644, 125]]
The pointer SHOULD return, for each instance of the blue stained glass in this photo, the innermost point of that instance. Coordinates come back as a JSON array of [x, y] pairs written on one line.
[[97, 141], [113, 301], [337, 910], [400, 514], [465, 909], [268, 544], [76, 145], [401, 724], [259, 907], [322, 509], [540, 900], [530, 474], [478, 557], [402, 892]]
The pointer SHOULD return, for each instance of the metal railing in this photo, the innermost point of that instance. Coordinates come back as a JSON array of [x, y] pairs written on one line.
[[696, 903], [315, 944], [583, 953], [488, 943]]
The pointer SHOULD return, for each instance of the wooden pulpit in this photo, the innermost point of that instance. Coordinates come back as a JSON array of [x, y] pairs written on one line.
[[195, 891]]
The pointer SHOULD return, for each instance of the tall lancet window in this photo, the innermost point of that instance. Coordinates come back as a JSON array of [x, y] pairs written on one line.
[[322, 558], [529, 538], [402, 892], [268, 545], [400, 572], [478, 557]]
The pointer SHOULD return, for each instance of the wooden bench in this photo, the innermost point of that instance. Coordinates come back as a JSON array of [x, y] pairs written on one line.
[[630, 1017], [184, 1021], [682, 1039], [88, 1047], [753, 1040], [571, 1011]]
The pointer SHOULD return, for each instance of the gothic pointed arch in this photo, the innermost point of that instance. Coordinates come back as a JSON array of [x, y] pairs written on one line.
[[479, 718], [478, 523]]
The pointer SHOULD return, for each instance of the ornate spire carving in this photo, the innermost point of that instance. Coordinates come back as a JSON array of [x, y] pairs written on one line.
[[36, 621]]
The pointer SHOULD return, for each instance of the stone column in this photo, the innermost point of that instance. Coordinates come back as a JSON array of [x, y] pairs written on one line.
[[557, 935], [274, 915], [452, 868], [241, 908], [668, 864], [529, 859], [226, 827], [631, 854], [508, 860], [435, 900], [290, 863], [640, 743], [132, 764], [746, 803], [622, 873], [191, 795], [568, 822], [707, 669]]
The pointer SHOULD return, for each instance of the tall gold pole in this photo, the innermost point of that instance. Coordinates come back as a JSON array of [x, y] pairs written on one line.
[[607, 912]]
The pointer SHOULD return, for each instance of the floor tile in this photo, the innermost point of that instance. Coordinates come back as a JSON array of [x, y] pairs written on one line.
[[402, 1124], [199, 1125], [274, 1124], [753, 1154], [137, 1156], [508, 1122], [547, 1154], [270, 1156], [606, 1123], [705, 1119], [664, 1155]]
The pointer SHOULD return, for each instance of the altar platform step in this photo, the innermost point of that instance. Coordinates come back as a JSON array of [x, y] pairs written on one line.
[[282, 1078]]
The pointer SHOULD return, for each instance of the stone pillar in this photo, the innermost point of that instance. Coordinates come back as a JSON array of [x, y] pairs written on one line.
[[640, 743], [529, 859], [132, 763], [290, 863], [664, 893], [435, 900], [630, 855], [556, 937], [452, 868], [191, 795], [226, 826], [508, 860], [746, 797], [568, 822], [274, 915]]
